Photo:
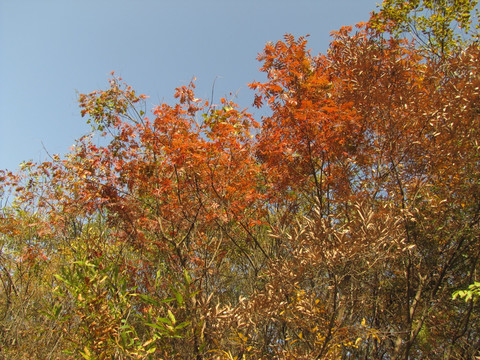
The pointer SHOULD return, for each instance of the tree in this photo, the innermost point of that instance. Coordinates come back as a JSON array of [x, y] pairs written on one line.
[[440, 27], [337, 227]]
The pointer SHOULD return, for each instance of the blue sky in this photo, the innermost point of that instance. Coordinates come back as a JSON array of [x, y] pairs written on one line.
[[52, 49]]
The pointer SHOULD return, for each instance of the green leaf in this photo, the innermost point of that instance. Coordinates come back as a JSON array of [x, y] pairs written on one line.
[[182, 325], [188, 279], [171, 316], [156, 326], [179, 298], [152, 301]]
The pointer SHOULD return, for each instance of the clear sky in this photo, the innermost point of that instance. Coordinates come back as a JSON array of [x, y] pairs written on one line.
[[52, 49]]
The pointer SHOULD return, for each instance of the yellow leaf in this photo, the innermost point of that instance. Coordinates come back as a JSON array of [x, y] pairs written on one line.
[[148, 342]]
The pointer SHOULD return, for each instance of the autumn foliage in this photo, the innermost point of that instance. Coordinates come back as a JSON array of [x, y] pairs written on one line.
[[342, 225]]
